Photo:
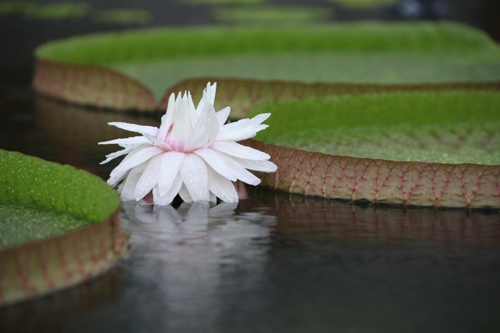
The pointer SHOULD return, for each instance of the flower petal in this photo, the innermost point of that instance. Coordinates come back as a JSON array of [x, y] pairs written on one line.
[[116, 154], [235, 149], [204, 131], [208, 97], [149, 177], [184, 194], [213, 159], [182, 127], [209, 93], [126, 141], [168, 196], [163, 145], [195, 177], [243, 129], [167, 119], [170, 164], [264, 166], [222, 115], [135, 128], [222, 187], [193, 115], [241, 173], [227, 166], [130, 182], [136, 157]]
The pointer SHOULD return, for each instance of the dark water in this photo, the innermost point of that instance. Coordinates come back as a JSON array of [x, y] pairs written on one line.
[[273, 263]]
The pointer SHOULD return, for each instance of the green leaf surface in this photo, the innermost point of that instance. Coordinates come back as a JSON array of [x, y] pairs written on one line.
[[22, 223], [443, 38], [243, 95], [34, 192], [447, 127], [357, 52]]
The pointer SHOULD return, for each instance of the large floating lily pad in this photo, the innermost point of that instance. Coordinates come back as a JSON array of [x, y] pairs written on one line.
[[133, 70], [446, 127], [243, 95], [59, 226], [406, 148]]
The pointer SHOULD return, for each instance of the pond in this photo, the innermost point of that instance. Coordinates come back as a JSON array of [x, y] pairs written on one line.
[[273, 263]]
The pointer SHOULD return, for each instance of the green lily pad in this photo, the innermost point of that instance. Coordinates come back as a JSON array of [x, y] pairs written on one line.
[[243, 95], [454, 143], [32, 181], [445, 127], [23, 224], [143, 64], [424, 148], [41, 199], [58, 226]]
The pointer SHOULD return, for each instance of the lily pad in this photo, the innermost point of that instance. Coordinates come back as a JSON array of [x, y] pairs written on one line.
[[243, 95], [438, 114], [58, 226], [405, 148], [23, 224], [132, 70]]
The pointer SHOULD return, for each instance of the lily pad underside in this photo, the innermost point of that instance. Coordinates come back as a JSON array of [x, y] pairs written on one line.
[[59, 226]]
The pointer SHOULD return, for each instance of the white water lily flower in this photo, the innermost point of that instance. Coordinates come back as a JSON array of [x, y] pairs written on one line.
[[193, 154]]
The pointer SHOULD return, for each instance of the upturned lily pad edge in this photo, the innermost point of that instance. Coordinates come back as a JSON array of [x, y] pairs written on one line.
[[62, 260], [381, 182]]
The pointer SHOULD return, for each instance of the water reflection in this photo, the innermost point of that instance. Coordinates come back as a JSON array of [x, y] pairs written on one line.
[[321, 219], [211, 226], [188, 254]]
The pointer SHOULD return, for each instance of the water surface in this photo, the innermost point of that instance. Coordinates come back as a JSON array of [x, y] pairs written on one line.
[[273, 263]]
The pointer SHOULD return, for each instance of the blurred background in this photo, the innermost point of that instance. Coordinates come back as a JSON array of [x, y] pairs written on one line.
[[26, 24]]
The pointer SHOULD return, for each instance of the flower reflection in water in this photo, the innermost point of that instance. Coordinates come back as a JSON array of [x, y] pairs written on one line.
[[187, 259], [196, 223]]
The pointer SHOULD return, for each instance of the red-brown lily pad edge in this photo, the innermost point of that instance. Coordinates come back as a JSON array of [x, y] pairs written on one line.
[[59, 226]]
